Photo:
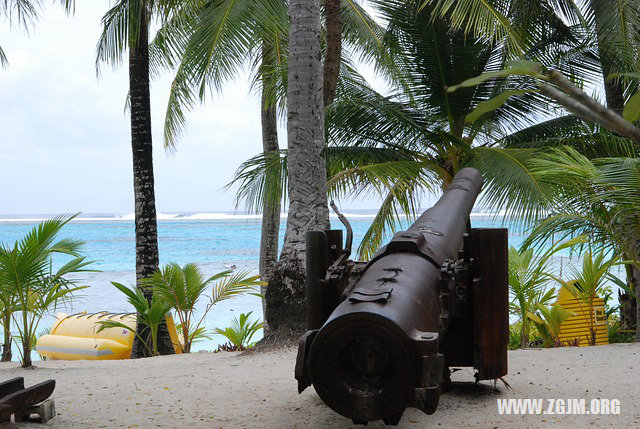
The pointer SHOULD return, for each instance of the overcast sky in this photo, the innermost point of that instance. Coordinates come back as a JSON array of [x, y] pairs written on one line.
[[65, 137]]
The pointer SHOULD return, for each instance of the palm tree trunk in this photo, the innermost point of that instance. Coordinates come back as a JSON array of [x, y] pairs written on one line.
[[614, 94], [333, 50], [636, 276], [613, 89], [26, 353], [26, 342], [147, 259], [6, 345], [308, 210], [628, 308], [271, 208]]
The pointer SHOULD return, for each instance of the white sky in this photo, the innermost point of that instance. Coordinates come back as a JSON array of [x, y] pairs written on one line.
[[64, 135]]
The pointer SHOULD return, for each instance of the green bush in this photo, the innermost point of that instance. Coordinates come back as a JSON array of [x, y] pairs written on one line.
[[615, 336], [29, 286], [241, 331]]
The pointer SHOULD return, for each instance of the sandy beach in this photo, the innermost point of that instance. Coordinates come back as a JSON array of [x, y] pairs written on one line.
[[232, 391]]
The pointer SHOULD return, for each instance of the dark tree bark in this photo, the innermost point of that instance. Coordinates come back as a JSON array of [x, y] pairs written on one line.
[[614, 95], [636, 282], [628, 309], [146, 227], [308, 210], [614, 90], [270, 209], [6, 344], [333, 49]]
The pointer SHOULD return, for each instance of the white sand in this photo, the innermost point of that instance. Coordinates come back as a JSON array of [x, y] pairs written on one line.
[[228, 390]]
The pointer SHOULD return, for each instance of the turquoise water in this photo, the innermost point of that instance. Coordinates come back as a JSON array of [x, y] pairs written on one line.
[[213, 241]]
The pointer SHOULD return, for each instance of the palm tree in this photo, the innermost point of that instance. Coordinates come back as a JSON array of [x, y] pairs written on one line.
[[24, 13], [415, 140], [7, 307], [307, 175], [184, 287], [126, 26], [211, 43]]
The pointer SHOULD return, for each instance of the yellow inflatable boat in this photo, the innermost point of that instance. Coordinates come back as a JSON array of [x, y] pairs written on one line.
[[75, 337]]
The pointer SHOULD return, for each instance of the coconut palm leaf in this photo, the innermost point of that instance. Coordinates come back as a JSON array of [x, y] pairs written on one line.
[[23, 13]]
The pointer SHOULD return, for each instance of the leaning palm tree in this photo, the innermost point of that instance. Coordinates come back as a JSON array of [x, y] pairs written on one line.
[[606, 35], [23, 13], [126, 27]]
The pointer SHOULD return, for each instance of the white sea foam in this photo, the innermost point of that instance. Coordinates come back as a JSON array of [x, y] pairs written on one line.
[[129, 217]]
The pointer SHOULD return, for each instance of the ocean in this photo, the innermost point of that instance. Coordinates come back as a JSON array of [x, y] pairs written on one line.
[[214, 241]]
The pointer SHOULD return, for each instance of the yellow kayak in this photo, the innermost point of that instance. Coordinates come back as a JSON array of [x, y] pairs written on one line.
[[75, 337]]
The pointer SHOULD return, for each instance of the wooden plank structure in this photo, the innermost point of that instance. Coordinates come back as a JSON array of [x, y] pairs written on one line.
[[577, 328], [18, 400]]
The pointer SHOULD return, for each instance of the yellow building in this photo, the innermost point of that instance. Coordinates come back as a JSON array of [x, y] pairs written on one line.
[[578, 327]]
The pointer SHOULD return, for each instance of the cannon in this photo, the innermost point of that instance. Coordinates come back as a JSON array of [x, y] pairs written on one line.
[[383, 334]]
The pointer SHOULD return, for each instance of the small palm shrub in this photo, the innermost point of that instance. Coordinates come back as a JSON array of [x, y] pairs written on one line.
[[589, 282], [241, 331], [182, 288], [514, 336], [150, 314], [529, 278], [548, 321], [30, 287]]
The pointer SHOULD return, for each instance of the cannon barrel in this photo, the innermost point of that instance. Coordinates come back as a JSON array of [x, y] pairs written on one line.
[[380, 346]]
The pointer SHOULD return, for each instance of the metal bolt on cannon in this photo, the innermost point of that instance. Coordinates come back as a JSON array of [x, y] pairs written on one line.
[[383, 334]]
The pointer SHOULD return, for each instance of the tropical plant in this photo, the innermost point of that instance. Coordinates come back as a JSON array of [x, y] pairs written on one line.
[[597, 198], [411, 142], [515, 336], [150, 314], [530, 273], [7, 307], [599, 38], [24, 13], [126, 27], [197, 336], [528, 281], [586, 284], [207, 44], [27, 274], [241, 331], [616, 333], [548, 321], [183, 287]]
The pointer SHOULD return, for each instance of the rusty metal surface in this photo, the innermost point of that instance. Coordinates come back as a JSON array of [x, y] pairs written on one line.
[[402, 318], [491, 302]]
